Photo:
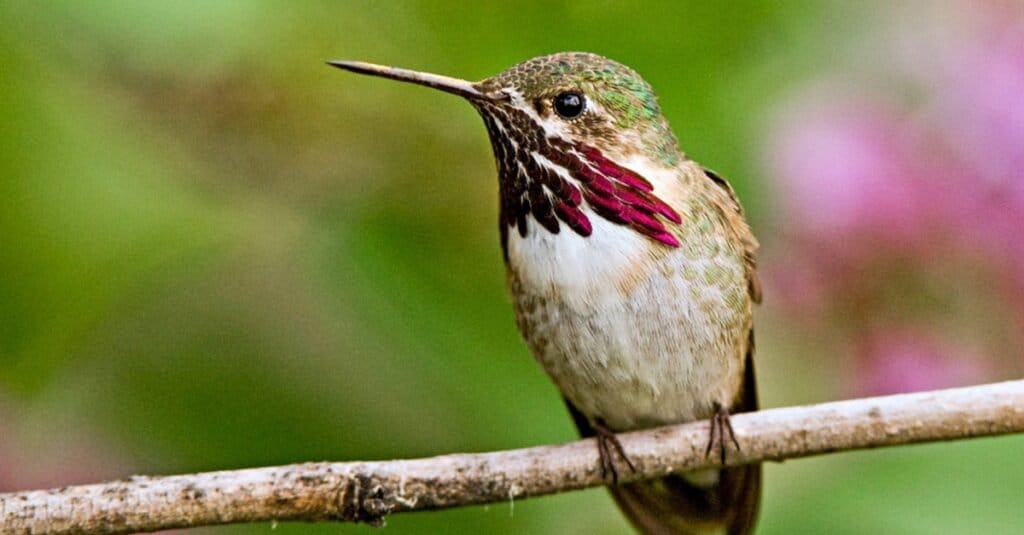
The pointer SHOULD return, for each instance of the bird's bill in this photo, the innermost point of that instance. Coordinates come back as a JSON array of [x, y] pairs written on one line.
[[444, 83]]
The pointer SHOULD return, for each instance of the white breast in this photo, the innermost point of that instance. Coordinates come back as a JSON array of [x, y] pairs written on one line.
[[565, 264], [664, 350]]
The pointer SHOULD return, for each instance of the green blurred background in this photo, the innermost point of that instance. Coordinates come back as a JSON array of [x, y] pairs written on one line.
[[217, 252]]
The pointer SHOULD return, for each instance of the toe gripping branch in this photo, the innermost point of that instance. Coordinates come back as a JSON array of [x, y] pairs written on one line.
[[720, 427], [608, 446]]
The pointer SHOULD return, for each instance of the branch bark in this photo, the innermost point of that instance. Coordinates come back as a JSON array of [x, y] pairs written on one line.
[[368, 491]]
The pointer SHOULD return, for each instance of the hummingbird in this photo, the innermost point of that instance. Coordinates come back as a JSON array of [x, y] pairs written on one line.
[[632, 272]]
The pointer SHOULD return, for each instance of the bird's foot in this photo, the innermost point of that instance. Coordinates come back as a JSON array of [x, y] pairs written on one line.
[[607, 446], [720, 427]]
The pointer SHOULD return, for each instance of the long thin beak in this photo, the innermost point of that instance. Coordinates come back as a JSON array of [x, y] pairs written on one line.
[[444, 83]]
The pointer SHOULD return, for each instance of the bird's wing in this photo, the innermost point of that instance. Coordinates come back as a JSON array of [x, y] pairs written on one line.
[[732, 211]]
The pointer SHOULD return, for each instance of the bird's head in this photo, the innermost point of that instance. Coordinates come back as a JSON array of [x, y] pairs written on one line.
[[574, 135]]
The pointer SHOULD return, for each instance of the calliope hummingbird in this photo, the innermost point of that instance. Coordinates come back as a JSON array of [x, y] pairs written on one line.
[[631, 269]]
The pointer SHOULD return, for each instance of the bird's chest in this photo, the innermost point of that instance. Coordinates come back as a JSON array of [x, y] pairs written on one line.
[[631, 334]]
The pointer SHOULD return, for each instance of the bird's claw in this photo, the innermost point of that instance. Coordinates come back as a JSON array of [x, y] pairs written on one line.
[[608, 446], [720, 426]]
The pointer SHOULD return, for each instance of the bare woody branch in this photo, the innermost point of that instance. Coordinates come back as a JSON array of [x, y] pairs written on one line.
[[367, 491]]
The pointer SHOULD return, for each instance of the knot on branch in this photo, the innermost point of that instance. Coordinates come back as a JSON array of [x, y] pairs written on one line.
[[364, 499]]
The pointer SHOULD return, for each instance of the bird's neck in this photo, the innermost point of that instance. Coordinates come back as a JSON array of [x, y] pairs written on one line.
[[587, 270]]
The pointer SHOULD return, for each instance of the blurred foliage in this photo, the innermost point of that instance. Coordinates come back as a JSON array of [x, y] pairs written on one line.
[[216, 252]]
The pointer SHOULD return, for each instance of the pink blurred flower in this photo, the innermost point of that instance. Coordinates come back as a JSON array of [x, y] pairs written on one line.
[[845, 168], [982, 113], [914, 359], [887, 204], [983, 104]]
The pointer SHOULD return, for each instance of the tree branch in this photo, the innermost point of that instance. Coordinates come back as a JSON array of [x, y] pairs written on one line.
[[367, 491]]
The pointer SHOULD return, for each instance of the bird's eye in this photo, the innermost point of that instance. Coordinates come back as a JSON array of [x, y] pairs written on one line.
[[570, 104]]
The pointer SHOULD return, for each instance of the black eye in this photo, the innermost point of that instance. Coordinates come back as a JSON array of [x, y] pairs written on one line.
[[570, 105]]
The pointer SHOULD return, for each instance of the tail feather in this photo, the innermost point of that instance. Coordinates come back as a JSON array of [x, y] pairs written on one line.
[[675, 505]]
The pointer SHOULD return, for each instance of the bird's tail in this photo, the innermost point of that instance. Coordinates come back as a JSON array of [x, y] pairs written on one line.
[[674, 505]]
